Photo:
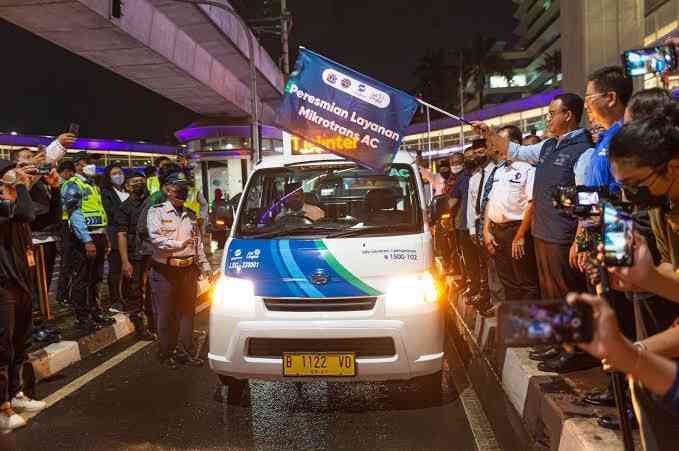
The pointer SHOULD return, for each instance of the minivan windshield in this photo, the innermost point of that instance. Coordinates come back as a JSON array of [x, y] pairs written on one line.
[[333, 200]]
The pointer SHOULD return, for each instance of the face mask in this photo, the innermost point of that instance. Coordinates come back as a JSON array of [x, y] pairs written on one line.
[[469, 164], [182, 193], [456, 169], [90, 170], [138, 190], [642, 197], [480, 161], [118, 179]]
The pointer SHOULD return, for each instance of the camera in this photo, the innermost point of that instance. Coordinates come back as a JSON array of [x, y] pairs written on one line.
[[580, 201]]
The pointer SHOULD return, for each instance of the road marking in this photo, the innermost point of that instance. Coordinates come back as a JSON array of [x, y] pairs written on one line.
[[78, 383], [483, 433]]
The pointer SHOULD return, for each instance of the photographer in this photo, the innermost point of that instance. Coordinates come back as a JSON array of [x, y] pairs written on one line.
[[561, 161], [17, 262]]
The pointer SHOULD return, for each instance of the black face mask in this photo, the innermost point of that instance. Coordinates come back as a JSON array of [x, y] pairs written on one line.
[[182, 193], [480, 161], [642, 197], [469, 164], [138, 190]]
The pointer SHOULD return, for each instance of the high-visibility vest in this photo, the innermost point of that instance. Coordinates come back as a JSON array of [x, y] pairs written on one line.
[[192, 202], [153, 184], [91, 204]]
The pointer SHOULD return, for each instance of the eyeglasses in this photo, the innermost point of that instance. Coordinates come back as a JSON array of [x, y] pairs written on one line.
[[590, 97], [551, 114]]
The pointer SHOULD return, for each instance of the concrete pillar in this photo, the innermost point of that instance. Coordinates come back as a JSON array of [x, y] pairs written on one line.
[[594, 33]]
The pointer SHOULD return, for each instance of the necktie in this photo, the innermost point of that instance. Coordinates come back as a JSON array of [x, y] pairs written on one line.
[[482, 200]]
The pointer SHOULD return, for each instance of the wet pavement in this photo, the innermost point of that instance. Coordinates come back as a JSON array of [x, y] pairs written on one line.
[[138, 405]]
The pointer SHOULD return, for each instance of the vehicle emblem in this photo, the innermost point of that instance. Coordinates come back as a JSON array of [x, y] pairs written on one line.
[[320, 277]]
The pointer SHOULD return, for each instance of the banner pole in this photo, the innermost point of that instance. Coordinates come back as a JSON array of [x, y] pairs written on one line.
[[431, 187], [451, 115]]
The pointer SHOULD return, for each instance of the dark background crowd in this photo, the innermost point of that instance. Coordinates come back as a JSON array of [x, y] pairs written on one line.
[[505, 239]]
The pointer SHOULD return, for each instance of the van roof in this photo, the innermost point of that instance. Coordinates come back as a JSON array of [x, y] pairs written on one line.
[[277, 161]]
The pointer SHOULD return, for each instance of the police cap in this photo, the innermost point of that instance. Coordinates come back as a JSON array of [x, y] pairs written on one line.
[[83, 155]]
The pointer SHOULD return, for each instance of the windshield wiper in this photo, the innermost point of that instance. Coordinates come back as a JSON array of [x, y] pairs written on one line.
[[290, 231], [370, 229]]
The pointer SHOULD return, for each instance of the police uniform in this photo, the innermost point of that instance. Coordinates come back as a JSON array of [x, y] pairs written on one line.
[[174, 274], [510, 196], [84, 211]]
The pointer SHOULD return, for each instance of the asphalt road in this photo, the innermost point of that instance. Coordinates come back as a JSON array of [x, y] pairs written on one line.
[[138, 405]]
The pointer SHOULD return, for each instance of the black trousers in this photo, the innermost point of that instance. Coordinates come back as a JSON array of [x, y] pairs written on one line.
[[174, 294], [470, 260], [455, 259], [136, 294], [556, 276], [64, 282], [114, 277], [16, 324], [86, 275], [519, 276]]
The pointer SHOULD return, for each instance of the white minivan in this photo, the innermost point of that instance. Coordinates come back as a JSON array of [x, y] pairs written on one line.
[[327, 274]]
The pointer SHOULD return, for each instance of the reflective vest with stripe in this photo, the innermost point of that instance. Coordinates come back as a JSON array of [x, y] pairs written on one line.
[[91, 204], [153, 184], [192, 202]]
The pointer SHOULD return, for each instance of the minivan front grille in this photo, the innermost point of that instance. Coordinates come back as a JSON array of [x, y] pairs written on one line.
[[363, 347], [319, 305]]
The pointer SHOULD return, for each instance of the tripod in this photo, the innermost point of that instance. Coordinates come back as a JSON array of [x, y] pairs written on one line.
[[617, 378]]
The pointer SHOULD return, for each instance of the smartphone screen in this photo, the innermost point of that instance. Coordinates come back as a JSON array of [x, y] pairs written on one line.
[[588, 198], [650, 60], [74, 128], [533, 323], [618, 234]]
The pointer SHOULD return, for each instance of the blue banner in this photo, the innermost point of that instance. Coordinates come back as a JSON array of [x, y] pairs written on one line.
[[345, 112]]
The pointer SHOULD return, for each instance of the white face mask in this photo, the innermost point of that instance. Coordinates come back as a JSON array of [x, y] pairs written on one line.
[[456, 169], [90, 170]]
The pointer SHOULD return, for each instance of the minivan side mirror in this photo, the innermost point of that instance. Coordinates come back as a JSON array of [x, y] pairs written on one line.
[[438, 207]]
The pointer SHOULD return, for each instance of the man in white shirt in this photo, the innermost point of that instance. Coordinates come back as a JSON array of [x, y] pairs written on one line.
[[507, 237], [484, 168]]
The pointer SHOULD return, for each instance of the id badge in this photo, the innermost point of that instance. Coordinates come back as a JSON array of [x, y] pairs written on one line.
[[30, 257]]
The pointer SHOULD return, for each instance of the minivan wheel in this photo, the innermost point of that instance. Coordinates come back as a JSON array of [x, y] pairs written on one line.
[[238, 393], [431, 386]]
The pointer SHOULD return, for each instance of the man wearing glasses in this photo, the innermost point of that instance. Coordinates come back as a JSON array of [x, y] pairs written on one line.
[[562, 160]]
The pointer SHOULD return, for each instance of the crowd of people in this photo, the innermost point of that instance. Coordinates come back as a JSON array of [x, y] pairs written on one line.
[[509, 241], [148, 226]]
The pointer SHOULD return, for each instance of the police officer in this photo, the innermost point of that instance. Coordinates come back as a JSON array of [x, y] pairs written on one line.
[[153, 182], [87, 242], [178, 261]]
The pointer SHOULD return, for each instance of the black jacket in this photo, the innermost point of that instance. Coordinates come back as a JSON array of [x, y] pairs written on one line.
[[15, 241], [112, 204], [47, 204]]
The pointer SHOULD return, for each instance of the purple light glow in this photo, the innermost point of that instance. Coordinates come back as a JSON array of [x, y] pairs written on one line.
[[528, 103], [213, 131], [89, 144]]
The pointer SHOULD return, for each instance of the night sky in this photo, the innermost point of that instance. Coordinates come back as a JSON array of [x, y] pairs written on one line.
[[45, 87]]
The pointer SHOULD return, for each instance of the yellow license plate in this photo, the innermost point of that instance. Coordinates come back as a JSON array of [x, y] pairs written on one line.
[[319, 364]]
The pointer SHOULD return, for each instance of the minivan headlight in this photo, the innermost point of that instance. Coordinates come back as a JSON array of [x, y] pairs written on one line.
[[234, 294], [412, 290]]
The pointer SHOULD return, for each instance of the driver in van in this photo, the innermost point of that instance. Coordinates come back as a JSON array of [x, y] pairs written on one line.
[[296, 204]]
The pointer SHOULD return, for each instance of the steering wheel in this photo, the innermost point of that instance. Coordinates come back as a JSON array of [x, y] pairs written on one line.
[[295, 219]]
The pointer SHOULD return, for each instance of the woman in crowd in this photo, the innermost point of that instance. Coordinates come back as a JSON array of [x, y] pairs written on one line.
[[113, 195]]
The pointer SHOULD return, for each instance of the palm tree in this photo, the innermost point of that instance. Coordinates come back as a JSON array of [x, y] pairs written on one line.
[[436, 78], [481, 63], [552, 65]]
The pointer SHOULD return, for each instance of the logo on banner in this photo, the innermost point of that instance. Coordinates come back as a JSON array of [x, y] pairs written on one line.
[[356, 89]]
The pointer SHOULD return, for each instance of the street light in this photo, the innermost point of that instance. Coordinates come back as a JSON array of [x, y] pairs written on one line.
[[256, 151]]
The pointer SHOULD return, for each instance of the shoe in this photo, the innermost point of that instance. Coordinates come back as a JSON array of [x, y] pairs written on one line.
[[170, 363], [23, 403], [604, 398], [10, 420], [188, 360], [549, 353], [103, 320], [568, 362], [613, 421], [86, 327], [140, 331]]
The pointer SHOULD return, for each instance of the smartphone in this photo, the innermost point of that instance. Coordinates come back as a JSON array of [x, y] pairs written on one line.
[[649, 60], [548, 322], [618, 235], [44, 169], [74, 128]]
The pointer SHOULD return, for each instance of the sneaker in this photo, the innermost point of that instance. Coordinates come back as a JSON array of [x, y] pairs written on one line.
[[103, 320], [10, 420], [189, 360], [169, 363], [23, 403]]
